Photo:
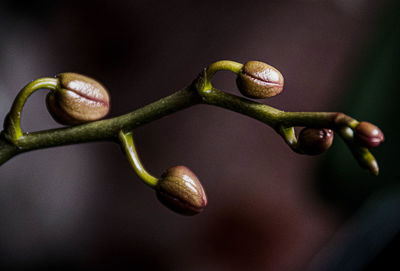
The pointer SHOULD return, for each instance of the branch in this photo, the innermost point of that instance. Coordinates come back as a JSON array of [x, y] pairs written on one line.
[[108, 129], [199, 92]]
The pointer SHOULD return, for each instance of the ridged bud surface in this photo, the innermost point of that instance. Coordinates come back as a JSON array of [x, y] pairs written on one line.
[[259, 80], [79, 99], [180, 190]]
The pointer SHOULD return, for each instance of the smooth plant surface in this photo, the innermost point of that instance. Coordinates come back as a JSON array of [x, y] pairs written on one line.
[[80, 102]]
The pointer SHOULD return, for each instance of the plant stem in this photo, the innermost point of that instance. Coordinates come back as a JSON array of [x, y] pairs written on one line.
[[108, 129], [270, 115], [197, 93], [261, 112], [222, 65], [130, 150], [13, 127]]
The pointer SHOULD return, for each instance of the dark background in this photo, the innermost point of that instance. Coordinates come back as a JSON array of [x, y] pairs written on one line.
[[82, 206]]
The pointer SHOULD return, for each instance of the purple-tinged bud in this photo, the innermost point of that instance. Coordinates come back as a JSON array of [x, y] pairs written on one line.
[[368, 135], [180, 190], [314, 141], [78, 99], [259, 80]]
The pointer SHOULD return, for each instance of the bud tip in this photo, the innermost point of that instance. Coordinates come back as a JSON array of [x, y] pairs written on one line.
[[368, 135]]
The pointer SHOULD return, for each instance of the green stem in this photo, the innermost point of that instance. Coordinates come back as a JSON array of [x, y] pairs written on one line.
[[13, 141], [283, 122], [269, 115], [289, 135], [108, 129], [130, 150], [261, 112], [12, 124], [222, 65], [330, 120]]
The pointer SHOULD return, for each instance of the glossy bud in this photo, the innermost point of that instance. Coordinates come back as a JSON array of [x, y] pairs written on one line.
[[314, 141], [259, 80], [180, 190], [78, 99], [368, 135]]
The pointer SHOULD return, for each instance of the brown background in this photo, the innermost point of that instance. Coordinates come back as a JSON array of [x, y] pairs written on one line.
[[83, 206]]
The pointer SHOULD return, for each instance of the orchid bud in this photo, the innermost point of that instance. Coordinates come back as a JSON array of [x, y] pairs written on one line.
[[180, 190], [365, 159], [314, 141], [259, 80], [78, 99], [368, 135]]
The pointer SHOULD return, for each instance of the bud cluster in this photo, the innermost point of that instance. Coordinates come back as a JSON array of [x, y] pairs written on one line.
[[361, 137]]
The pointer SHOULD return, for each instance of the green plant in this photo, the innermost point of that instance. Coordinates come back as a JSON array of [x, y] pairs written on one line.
[[79, 101]]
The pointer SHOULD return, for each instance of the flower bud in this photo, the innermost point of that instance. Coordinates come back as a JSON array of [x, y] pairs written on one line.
[[365, 159], [313, 141], [78, 99], [368, 135], [259, 80], [180, 190]]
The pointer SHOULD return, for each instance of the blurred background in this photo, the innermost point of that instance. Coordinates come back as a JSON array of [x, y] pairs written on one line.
[[82, 206]]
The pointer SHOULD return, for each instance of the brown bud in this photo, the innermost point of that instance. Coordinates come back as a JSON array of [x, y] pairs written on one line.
[[313, 141], [368, 135], [78, 99], [259, 80], [180, 190]]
